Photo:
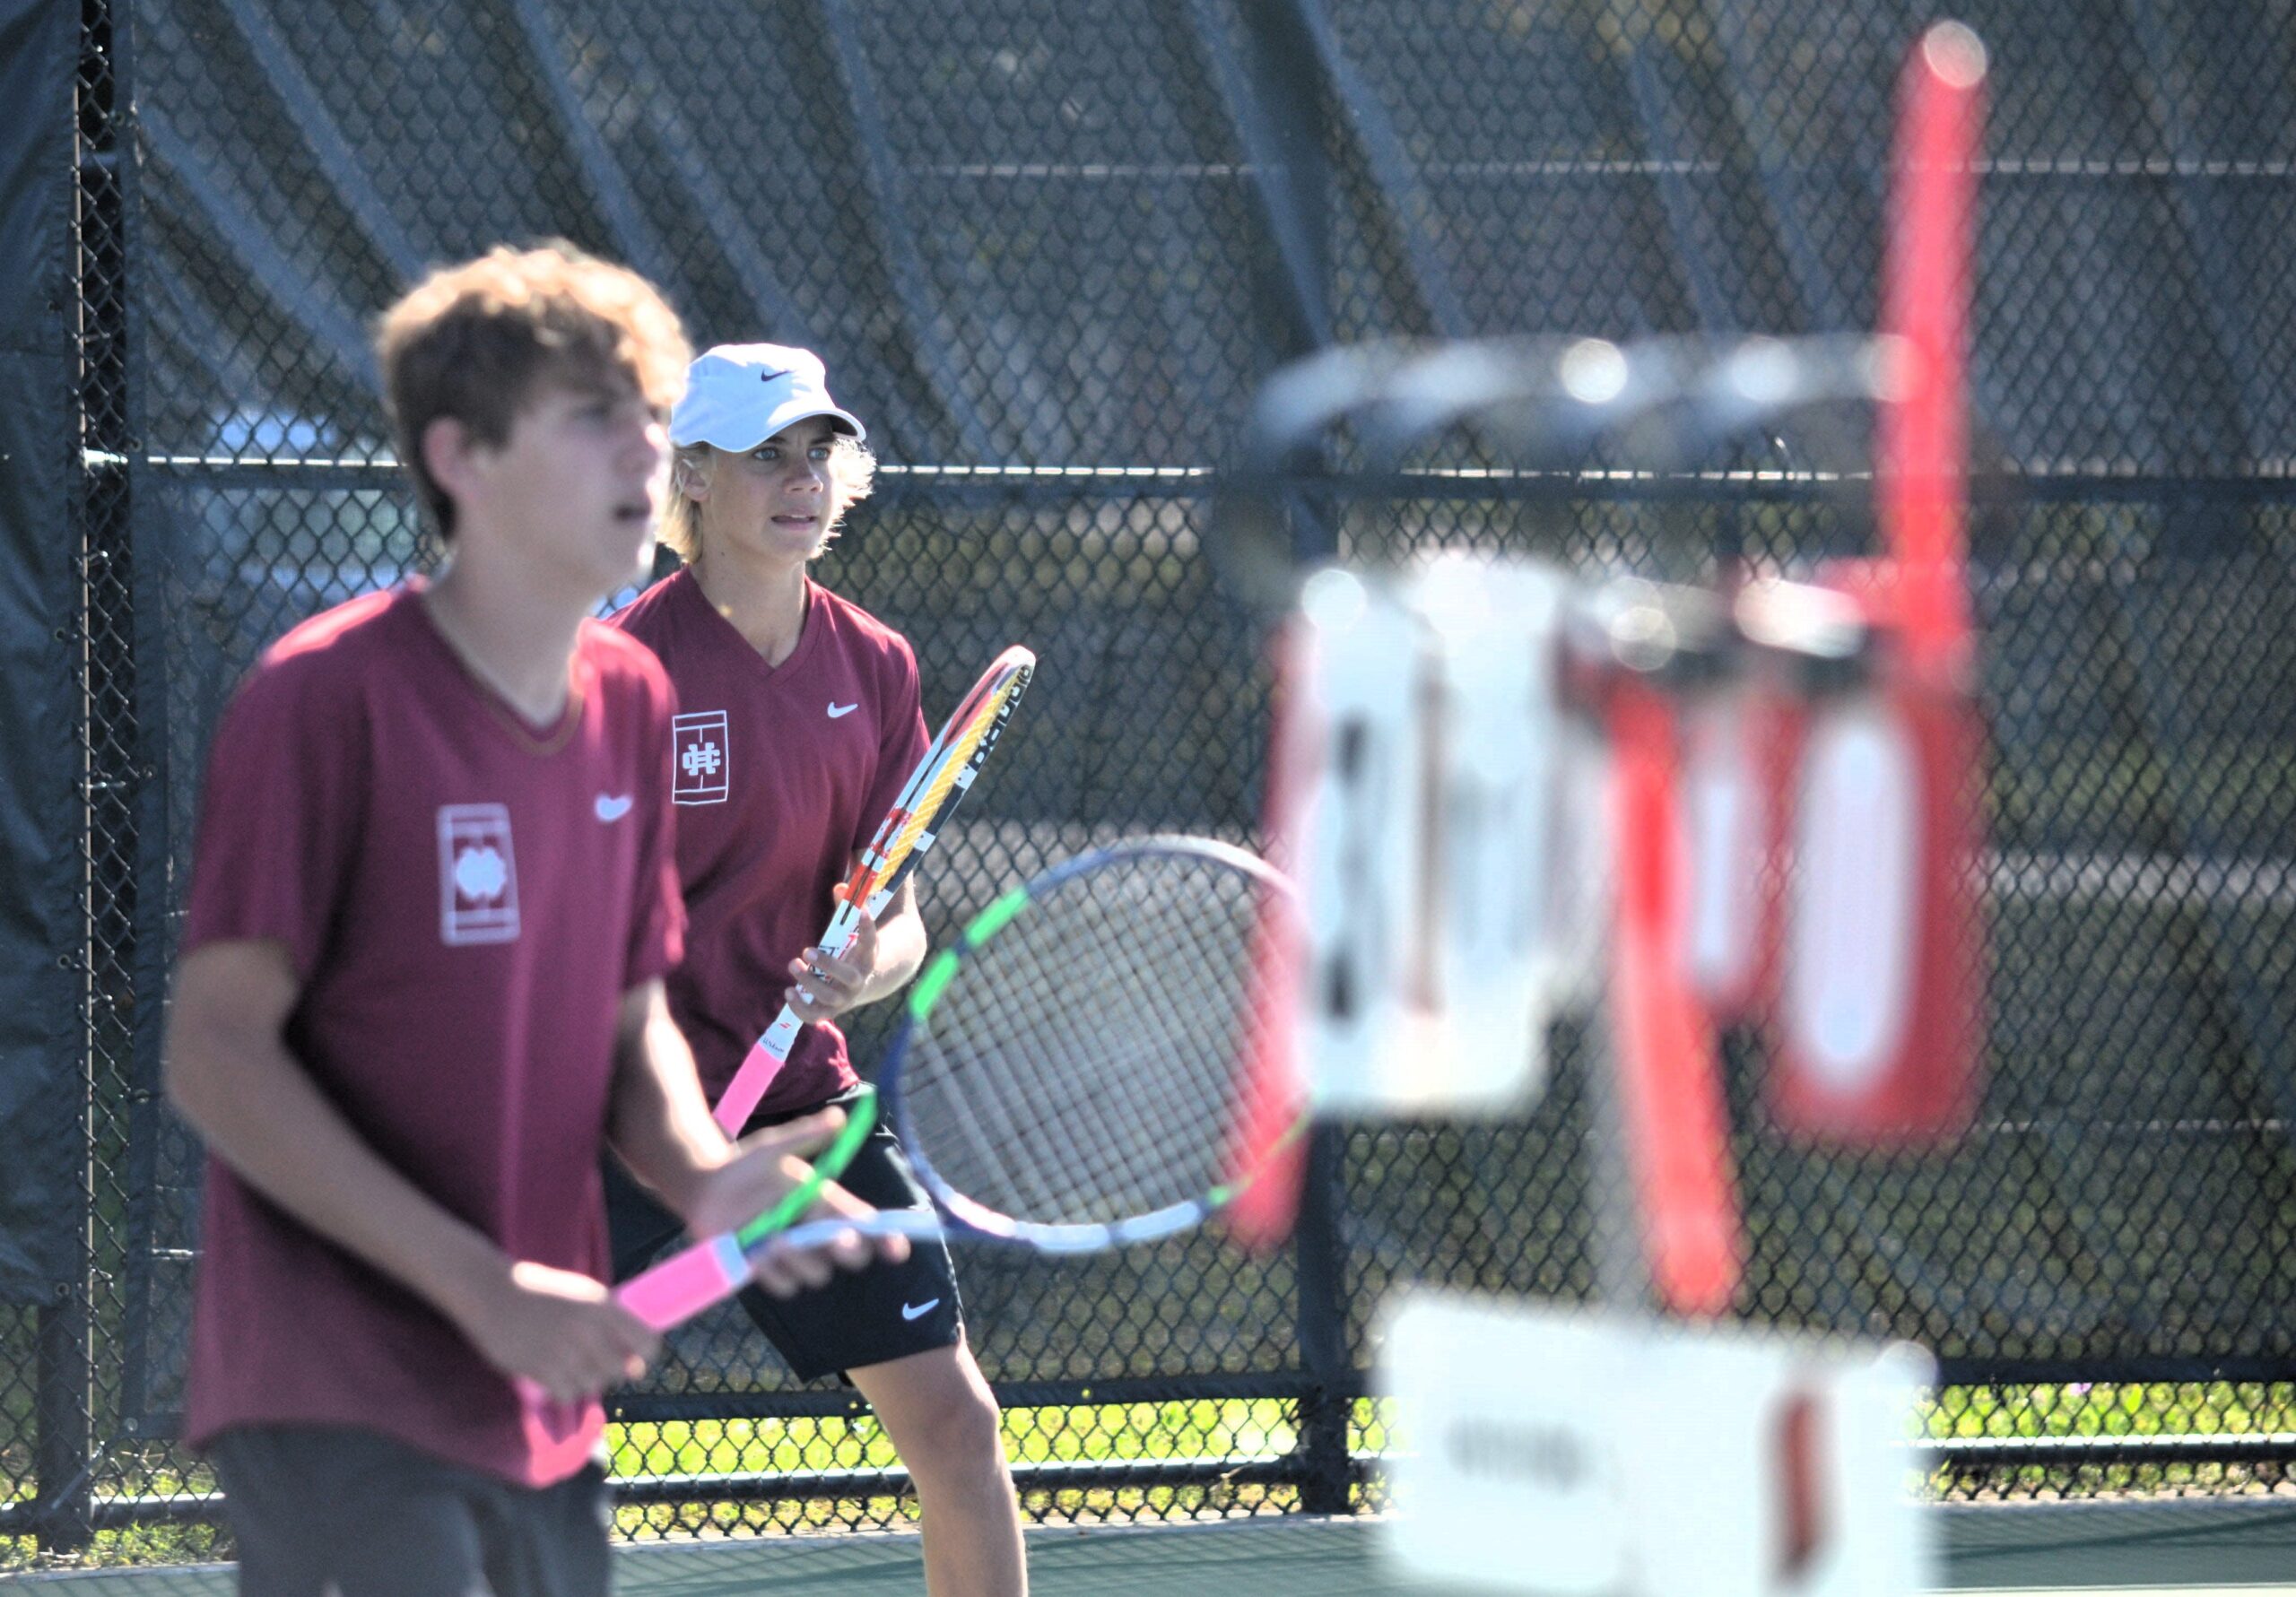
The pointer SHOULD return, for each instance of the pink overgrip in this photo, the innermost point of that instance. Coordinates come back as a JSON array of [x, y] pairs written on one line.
[[685, 1283]]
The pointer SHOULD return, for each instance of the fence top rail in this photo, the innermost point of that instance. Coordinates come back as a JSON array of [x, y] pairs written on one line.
[[2273, 482]]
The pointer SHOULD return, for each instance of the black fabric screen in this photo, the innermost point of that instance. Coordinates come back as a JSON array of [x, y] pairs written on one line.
[[41, 1156]]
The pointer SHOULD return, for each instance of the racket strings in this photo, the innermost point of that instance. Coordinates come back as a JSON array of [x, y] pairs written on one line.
[[1002, 1145], [1083, 1066], [1020, 1142]]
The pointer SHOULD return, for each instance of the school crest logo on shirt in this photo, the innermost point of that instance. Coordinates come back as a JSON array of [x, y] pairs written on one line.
[[700, 759], [478, 875]]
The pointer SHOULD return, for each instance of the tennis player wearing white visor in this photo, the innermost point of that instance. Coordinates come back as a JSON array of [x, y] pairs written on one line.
[[798, 723]]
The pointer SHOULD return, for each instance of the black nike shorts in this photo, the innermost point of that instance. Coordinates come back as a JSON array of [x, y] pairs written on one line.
[[861, 1318]]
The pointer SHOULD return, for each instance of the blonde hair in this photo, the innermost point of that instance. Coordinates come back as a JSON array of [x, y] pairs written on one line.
[[470, 342], [852, 475]]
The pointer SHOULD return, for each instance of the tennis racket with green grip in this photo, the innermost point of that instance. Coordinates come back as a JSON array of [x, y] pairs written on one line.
[[1069, 1073]]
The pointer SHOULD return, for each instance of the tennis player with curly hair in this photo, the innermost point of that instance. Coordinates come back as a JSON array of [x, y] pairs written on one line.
[[432, 902]]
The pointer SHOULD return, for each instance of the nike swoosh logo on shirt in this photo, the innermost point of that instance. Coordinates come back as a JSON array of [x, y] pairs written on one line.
[[610, 809], [835, 710], [910, 1311]]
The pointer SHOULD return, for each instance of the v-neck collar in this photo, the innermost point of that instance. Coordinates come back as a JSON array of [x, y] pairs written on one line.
[[538, 740], [731, 636]]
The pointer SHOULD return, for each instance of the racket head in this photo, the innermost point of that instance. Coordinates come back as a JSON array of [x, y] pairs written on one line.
[[943, 777], [1070, 1071]]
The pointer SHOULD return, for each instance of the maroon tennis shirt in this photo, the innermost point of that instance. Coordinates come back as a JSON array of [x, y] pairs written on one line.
[[780, 776], [466, 898]]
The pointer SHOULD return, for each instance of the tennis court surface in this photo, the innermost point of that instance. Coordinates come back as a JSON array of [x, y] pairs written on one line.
[[2190, 1548]]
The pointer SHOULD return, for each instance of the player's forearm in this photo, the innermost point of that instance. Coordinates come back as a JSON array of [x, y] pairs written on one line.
[[659, 1120], [257, 1110]]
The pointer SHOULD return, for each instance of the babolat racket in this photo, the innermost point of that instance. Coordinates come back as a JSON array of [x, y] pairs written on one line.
[[943, 777], [1069, 1073]]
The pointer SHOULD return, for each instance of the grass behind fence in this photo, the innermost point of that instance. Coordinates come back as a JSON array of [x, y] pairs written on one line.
[[1242, 1429]]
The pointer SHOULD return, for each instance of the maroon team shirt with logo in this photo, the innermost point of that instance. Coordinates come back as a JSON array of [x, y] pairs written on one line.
[[781, 775], [466, 898]]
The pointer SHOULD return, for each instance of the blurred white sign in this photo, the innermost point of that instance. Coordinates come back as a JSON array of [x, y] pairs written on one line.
[[1426, 729], [1544, 1451]]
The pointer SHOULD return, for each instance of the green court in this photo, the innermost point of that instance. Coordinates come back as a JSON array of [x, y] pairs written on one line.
[[2188, 1549]]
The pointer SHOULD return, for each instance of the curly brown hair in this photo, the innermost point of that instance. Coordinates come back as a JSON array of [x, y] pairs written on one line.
[[470, 342]]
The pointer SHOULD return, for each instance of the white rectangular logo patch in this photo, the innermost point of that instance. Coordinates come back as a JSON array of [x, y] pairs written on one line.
[[699, 757], [478, 875]]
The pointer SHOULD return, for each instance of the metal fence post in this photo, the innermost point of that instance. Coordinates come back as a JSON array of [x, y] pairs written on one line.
[[1326, 1467], [1283, 130], [65, 1374], [64, 1433]]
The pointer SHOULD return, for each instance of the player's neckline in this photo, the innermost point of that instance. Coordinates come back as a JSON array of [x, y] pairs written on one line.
[[532, 739], [808, 624]]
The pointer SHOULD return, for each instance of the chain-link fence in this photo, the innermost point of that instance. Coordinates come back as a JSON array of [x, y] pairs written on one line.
[[1048, 251]]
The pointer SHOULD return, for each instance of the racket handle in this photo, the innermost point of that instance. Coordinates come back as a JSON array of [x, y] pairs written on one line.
[[759, 1067], [716, 1267], [685, 1283], [1676, 1123], [770, 1051], [707, 1273]]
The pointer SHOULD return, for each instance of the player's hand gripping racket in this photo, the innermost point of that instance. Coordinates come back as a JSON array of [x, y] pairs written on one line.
[[1069, 1073], [942, 777]]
